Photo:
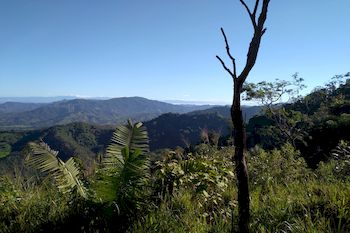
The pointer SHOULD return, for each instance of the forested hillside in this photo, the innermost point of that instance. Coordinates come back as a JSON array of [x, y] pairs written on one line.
[[171, 130], [102, 112], [225, 111], [314, 124], [86, 141], [16, 107]]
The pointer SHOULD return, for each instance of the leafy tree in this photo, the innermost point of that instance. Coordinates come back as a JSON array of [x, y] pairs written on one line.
[[236, 110], [321, 97], [288, 125], [272, 93]]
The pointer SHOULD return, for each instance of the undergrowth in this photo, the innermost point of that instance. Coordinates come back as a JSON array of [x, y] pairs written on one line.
[[192, 193]]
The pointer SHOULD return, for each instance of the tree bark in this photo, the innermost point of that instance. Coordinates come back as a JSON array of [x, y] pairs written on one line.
[[236, 110], [240, 161]]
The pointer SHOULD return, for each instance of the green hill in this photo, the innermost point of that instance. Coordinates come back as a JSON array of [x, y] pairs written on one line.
[[225, 111], [322, 119], [102, 112], [85, 140], [171, 130]]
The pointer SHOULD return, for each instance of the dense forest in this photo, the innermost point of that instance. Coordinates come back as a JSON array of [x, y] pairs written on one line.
[[84, 139], [174, 173]]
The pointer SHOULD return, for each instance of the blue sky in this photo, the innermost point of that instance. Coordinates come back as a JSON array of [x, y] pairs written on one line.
[[162, 49]]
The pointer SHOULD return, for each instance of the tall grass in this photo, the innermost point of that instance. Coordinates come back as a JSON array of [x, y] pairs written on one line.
[[26, 206], [195, 193], [286, 196]]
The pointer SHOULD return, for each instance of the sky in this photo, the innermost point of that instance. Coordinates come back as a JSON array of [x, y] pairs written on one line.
[[163, 49]]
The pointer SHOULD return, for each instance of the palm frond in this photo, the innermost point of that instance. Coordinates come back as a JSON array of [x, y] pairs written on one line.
[[132, 136], [342, 151], [66, 174], [135, 170], [127, 158]]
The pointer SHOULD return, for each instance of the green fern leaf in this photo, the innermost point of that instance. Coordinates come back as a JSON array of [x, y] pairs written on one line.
[[66, 174]]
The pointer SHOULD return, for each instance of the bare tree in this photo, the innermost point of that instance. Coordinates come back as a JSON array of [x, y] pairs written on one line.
[[236, 110]]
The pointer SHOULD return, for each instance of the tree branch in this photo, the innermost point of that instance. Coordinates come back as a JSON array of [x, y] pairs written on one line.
[[252, 16], [229, 54], [225, 67], [263, 14], [255, 42], [256, 8]]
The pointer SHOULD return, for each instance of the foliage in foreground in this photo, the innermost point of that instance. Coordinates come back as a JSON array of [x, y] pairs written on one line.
[[286, 197], [66, 174], [192, 192]]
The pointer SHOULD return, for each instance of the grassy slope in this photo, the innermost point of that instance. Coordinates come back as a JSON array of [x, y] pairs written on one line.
[[286, 196]]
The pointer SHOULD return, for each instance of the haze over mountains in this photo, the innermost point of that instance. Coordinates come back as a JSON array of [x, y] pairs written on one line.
[[102, 112], [84, 127], [16, 107], [41, 99], [36, 99]]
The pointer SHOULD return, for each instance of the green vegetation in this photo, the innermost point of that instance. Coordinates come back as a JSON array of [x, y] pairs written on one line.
[[314, 124], [188, 193], [65, 174], [5, 150], [103, 112], [85, 141], [104, 181], [171, 130], [286, 196], [7, 139]]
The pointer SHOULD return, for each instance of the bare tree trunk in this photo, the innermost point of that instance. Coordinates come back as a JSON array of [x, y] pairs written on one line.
[[236, 111], [240, 161]]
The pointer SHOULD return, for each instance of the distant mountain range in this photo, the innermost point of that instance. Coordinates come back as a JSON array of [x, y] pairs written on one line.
[[16, 107], [101, 112], [37, 99], [40, 99], [86, 140]]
